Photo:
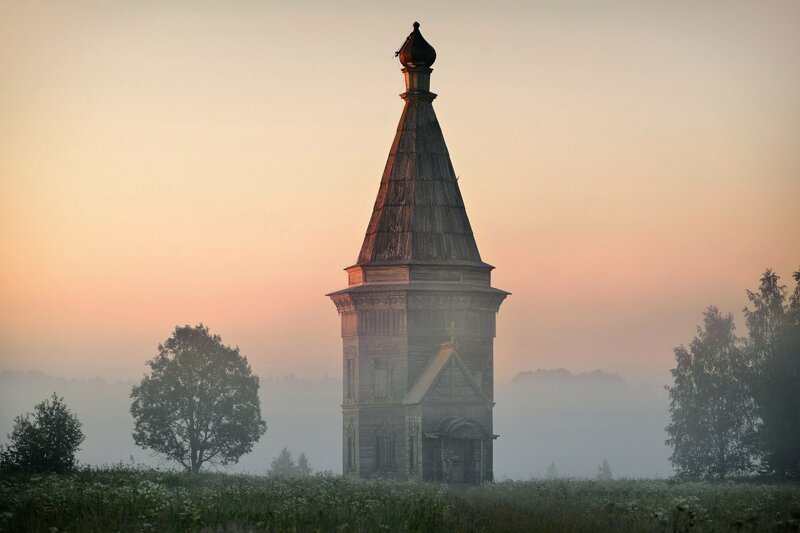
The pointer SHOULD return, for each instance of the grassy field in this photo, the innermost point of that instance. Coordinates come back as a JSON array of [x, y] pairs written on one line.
[[122, 499]]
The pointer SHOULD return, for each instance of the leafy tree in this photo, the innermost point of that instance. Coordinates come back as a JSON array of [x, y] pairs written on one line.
[[774, 346], [199, 404], [552, 471], [712, 412], [604, 472], [303, 466], [765, 320], [284, 465], [44, 441]]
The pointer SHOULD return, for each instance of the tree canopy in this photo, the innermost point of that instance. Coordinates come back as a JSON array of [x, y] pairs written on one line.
[[552, 471], [199, 404], [45, 440], [735, 403], [712, 413], [604, 471], [284, 465], [774, 347]]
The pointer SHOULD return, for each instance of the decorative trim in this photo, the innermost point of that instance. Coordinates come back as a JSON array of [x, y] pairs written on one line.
[[383, 299], [486, 302], [456, 301]]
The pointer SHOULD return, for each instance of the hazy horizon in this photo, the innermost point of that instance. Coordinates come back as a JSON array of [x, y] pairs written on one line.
[[574, 420], [624, 165], [321, 377]]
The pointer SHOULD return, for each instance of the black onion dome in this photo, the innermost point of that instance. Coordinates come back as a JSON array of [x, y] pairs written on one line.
[[416, 52]]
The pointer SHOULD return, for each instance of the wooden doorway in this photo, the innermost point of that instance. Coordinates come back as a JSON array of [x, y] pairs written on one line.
[[461, 460]]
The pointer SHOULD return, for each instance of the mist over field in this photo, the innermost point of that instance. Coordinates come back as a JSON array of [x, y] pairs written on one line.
[[573, 420]]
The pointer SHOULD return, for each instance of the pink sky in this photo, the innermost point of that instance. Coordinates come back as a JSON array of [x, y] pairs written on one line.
[[623, 166]]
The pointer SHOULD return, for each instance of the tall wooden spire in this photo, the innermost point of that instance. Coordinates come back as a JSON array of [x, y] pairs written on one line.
[[419, 215], [416, 403]]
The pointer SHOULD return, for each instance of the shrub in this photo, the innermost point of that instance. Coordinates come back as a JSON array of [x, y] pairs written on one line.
[[45, 440]]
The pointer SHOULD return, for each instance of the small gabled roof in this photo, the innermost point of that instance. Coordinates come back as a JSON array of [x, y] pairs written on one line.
[[427, 380]]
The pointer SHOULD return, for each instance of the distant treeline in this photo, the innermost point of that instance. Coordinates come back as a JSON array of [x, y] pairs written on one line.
[[574, 420], [735, 401]]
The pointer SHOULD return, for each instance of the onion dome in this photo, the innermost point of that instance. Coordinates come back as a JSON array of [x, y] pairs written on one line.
[[416, 52]]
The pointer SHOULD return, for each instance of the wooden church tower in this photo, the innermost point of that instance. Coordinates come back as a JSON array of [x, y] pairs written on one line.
[[418, 315]]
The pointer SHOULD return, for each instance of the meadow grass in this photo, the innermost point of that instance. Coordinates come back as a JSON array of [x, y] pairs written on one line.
[[137, 499]]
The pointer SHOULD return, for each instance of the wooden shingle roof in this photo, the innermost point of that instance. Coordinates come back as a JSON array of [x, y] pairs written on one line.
[[419, 215]]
